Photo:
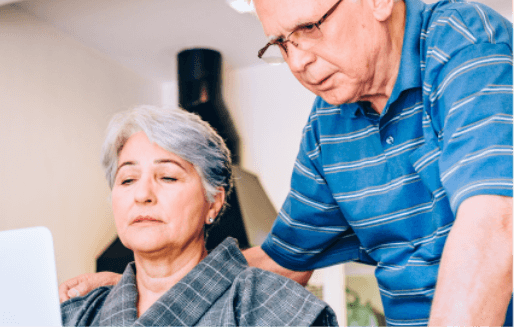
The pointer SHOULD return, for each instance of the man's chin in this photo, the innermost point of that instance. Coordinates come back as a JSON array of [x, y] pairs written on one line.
[[333, 99]]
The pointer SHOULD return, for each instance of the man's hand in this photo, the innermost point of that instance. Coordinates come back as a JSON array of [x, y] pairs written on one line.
[[256, 257], [83, 284], [475, 275]]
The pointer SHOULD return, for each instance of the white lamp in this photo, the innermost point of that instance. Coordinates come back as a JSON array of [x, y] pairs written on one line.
[[242, 6]]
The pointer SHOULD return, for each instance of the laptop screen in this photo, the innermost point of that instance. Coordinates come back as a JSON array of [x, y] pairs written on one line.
[[28, 280]]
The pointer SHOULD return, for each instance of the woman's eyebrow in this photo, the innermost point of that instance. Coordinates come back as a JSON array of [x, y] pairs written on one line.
[[169, 161], [126, 163]]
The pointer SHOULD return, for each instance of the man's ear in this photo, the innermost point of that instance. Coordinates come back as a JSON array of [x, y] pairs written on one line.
[[382, 9]]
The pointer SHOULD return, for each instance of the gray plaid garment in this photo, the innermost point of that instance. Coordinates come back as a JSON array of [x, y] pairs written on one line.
[[222, 290]]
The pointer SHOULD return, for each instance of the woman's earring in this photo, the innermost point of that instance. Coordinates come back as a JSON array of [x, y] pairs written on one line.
[[211, 220]]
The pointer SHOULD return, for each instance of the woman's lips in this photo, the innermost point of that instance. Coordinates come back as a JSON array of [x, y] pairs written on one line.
[[146, 219]]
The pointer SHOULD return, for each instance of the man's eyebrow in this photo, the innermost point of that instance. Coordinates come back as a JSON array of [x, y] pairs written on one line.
[[301, 23]]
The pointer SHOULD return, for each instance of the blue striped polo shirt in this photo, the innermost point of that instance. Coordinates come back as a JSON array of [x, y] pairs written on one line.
[[384, 189]]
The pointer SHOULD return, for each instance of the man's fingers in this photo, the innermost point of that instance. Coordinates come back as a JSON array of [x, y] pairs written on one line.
[[83, 284], [73, 292], [72, 288]]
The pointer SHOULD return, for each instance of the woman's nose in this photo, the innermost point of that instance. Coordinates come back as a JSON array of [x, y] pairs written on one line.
[[145, 192]]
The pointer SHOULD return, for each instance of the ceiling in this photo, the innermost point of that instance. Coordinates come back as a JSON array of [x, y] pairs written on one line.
[[146, 35]]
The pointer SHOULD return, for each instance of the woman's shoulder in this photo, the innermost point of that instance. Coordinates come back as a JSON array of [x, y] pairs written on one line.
[[263, 295], [83, 310]]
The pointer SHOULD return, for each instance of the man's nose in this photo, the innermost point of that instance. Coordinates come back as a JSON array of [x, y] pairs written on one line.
[[145, 191], [298, 59]]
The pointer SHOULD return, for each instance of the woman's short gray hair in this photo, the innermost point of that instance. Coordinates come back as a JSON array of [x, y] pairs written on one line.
[[175, 130]]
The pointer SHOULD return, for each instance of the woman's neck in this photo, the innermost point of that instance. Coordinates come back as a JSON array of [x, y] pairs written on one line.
[[155, 275]]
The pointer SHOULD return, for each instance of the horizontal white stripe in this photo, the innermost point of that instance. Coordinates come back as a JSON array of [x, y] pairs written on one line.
[[407, 292], [502, 151], [312, 203], [492, 119], [395, 216], [328, 111], [328, 229], [308, 173], [422, 322], [394, 151], [460, 105], [403, 115], [470, 188], [383, 188], [456, 72], [294, 249], [419, 164], [356, 135], [381, 158]]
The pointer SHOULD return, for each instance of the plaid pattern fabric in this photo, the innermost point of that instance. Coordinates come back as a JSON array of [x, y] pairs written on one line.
[[220, 291]]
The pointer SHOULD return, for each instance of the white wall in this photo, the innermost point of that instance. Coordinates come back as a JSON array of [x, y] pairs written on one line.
[[56, 97]]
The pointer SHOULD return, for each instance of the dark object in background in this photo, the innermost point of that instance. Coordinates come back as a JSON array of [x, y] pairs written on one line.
[[115, 258], [250, 213], [199, 91]]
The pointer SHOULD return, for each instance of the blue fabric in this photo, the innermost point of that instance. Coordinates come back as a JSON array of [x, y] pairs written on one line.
[[384, 189], [508, 316], [220, 291]]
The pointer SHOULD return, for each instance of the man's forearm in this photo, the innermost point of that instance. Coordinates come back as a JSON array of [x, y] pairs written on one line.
[[256, 257], [474, 284]]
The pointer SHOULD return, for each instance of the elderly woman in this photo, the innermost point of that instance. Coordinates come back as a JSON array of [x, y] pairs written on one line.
[[170, 174]]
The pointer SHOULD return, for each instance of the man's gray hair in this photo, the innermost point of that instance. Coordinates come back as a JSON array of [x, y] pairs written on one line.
[[175, 130]]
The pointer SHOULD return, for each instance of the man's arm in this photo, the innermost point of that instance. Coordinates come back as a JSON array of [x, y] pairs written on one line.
[[256, 257], [474, 284]]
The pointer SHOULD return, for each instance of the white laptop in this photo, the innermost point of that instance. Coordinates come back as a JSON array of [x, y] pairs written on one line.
[[28, 279]]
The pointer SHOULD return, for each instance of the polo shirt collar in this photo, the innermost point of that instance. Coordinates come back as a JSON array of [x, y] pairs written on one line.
[[409, 74]]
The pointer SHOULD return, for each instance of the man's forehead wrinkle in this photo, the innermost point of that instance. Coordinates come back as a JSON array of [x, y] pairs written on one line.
[[287, 27]]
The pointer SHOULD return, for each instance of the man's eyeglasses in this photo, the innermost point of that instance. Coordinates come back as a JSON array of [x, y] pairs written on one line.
[[303, 37]]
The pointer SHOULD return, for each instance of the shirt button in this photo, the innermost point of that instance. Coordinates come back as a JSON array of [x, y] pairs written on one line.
[[390, 140]]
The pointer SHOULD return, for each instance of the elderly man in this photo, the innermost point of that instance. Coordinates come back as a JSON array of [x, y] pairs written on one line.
[[406, 158]]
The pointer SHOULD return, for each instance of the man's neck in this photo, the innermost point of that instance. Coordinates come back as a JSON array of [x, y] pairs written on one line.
[[388, 62]]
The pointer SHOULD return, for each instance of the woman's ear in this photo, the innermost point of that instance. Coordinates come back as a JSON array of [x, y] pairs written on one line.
[[382, 9], [215, 207]]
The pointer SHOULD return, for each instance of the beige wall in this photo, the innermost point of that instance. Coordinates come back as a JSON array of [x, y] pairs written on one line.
[[56, 97], [270, 108]]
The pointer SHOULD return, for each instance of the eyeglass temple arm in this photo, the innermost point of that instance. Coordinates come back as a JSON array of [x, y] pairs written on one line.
[[261, 51]]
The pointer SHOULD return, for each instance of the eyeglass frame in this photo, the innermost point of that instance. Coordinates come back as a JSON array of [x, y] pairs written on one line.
[[282, 43]]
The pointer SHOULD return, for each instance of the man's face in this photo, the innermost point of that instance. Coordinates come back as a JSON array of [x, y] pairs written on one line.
[[340, 68]]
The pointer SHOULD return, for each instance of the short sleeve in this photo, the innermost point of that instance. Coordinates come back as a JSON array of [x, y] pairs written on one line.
[[310, 231], [472, 115]]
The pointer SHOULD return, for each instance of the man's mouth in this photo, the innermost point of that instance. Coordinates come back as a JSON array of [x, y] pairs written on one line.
[[321, 84]]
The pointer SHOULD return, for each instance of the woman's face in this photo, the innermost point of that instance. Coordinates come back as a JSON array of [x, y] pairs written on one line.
[[158, 199]]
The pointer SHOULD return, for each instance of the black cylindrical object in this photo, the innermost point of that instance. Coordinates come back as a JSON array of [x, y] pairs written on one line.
[[199, 89]]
